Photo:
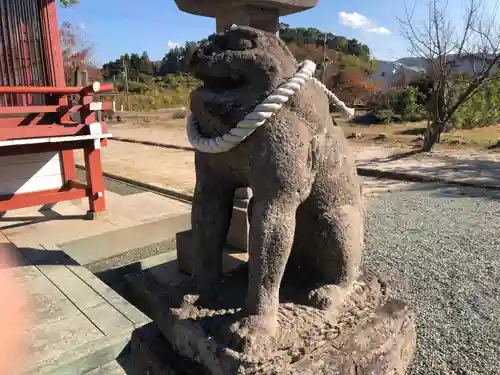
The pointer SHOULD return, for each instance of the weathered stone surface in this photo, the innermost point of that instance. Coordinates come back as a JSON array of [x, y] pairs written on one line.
[[215, 8], [152, 354], [243, 193], [369, 334], [306, 210], [237, 236], [231, 258], [241, 203], [185, 251]]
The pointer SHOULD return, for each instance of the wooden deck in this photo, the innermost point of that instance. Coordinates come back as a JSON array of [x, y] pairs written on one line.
[[80, 324]]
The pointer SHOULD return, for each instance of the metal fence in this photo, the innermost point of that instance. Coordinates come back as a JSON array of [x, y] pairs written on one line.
[[22, 61]]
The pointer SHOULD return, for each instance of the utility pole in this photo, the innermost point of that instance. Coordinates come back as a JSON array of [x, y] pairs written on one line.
[[125, 77], [325, 46]]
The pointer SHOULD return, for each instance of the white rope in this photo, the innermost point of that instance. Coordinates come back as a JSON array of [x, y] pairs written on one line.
[[260, 114]]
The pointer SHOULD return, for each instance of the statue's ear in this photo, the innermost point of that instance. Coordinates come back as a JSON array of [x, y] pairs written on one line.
[[190, 52], [285, 48]]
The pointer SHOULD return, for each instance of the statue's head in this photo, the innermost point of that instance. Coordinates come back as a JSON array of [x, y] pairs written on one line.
[[239, 68]]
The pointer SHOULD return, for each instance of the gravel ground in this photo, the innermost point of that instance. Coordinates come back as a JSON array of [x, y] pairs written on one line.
[[439, 250]]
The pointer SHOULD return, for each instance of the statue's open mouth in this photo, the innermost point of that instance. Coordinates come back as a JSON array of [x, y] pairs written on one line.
[[226, 62], [232, 81]]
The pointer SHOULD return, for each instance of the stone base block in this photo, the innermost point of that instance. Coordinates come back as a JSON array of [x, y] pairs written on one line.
[[238, 234], [370, 334], [231, 259], [102, 215], [185, 253], [243, 193], [153, 354]]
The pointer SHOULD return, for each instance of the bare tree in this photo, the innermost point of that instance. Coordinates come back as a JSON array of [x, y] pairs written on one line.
[[460, 59]]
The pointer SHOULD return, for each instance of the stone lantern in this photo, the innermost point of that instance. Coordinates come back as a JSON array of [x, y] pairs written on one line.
[[261, 14]]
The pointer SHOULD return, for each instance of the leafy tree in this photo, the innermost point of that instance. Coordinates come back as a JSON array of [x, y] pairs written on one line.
[[347, 68], [347, 75], [68, 3], [76, 52], [482, 109], [474, 47], [312, 36], [351, 85]]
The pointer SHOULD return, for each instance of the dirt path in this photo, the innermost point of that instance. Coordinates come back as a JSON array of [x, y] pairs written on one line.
[[171, 169], [174, 169], [169, 132]]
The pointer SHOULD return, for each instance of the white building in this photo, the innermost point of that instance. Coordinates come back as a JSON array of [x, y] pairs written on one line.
[[403, 71], [393, 73]]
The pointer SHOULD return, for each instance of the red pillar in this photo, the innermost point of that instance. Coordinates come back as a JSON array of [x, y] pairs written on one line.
[[93, 166], [55, 67], [52, 41]]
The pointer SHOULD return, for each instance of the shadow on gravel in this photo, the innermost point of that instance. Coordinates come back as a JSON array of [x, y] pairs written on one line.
[[474, 170], [447, 191]]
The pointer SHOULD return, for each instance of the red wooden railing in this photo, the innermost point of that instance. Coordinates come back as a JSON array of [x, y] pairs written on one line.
[[53, 120], [30, 121]]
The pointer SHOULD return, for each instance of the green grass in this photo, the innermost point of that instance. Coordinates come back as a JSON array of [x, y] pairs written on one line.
[[405, 133], [159, 99]]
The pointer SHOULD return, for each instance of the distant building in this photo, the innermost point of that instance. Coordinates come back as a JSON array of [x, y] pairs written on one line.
[[403, 71], [391, 74]]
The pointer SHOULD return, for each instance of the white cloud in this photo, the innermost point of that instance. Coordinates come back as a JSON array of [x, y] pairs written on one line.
[[171, 44], [358, 21], [379, 30], [353, 20]]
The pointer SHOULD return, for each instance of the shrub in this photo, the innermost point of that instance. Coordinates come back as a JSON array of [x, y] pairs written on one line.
[[409, 106], [179, 113], [482, 109], [385, 116], [158, 99]]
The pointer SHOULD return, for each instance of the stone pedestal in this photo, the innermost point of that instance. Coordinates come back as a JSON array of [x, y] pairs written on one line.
[[237, 237], [266, 19], [261, 14], [185, 254], [371, 334]]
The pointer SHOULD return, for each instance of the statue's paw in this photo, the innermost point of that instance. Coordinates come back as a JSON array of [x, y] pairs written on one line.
[[327, 297], [252, 335], [208, 291]]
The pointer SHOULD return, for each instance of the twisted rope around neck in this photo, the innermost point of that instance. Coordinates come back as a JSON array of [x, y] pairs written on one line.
[[260, 114]]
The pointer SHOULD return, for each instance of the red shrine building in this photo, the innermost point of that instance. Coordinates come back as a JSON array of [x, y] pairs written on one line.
[[38, 137]]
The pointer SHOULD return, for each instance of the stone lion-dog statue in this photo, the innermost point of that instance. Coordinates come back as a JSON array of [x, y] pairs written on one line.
[[307, 206]]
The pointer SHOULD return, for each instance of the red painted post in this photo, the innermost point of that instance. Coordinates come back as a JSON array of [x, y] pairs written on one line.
[[68, 165], [55, 65], [28, 98], [93, 166], [53, 42]]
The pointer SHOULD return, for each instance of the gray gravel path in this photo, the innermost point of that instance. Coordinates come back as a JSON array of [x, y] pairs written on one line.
[[439, 250]]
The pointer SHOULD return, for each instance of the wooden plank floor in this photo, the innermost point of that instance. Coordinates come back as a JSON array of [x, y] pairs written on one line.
[[80, 324]]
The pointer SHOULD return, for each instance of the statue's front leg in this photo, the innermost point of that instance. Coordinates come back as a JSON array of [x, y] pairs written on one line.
[[210, 219], [271, 236]]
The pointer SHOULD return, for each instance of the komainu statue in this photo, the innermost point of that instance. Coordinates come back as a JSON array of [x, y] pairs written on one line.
[[304, 305], [307, 210]]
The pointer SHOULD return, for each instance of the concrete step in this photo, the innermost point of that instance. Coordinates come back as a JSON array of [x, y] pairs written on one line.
[[103, 251], [81, 324], [115, 275], [137, 287], [120, 366]]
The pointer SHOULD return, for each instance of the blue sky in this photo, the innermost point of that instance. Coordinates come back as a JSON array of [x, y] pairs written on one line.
[[115, 27]]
